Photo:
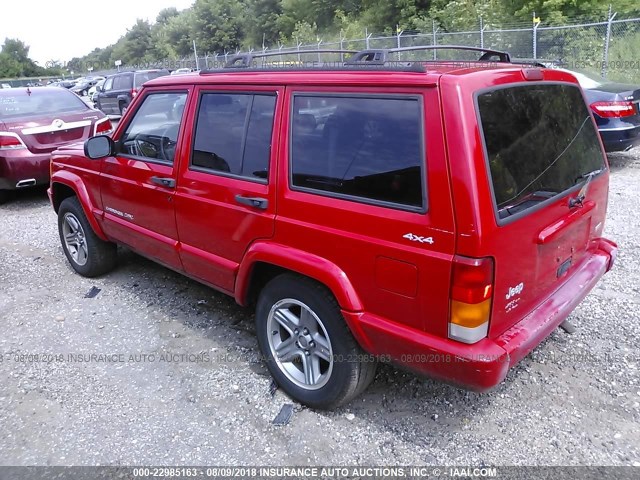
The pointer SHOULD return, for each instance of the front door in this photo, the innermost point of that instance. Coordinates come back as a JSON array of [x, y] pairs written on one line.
[[225, 199], [138, 183]]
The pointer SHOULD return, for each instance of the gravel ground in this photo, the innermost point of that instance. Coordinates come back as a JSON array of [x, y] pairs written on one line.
[[183, 383]]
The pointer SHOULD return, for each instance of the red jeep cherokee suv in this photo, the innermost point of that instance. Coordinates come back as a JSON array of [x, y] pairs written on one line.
[[444, 216]]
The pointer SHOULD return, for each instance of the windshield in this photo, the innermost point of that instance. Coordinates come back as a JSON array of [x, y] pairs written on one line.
[[540, 141], [41, 101]]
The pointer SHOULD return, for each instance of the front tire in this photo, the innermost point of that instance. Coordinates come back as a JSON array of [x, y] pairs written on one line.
[[307, 345], [89, 255]]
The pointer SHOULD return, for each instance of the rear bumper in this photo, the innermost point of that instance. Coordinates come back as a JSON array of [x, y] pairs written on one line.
[[485, 364], [620, 139], [22, 165]]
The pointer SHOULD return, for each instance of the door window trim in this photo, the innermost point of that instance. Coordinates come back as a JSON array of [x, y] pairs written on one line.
[[353, 198]]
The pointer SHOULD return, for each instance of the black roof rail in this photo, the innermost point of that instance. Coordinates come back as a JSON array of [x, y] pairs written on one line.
[[369, 57], [487, 53], [243, 60], [380, 56]]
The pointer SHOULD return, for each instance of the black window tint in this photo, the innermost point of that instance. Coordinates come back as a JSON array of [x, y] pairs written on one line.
[[233, 133], [153, 131], [361, 147], [540, 140]]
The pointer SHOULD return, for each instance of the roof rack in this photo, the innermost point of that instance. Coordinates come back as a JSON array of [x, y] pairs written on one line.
[[369, 58], [381, 56], [244, 60]]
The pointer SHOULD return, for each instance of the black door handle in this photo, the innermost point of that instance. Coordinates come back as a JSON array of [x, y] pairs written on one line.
[[256, 202], [164, 182]]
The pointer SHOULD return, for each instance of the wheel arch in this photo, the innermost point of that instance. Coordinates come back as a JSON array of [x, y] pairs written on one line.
[[64, 185], [264, 261]]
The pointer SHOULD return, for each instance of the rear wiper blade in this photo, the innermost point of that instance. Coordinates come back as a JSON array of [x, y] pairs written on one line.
[[538, 195], [588, 175], [582, 194]]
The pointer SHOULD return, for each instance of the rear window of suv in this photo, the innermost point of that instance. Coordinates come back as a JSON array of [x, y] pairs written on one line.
[[540, 142], [142, 77]]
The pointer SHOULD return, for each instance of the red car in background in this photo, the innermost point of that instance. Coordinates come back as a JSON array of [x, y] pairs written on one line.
[[33, 123]]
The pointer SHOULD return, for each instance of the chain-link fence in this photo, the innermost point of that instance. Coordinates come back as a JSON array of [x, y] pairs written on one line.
[[609, 48]]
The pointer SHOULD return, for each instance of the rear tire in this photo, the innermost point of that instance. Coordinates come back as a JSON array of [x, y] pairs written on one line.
[[4, 196], [89, 255], [307, 345], [123, 108]]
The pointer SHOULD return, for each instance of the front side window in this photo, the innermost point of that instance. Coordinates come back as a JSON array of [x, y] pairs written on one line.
[[361, 148], [233, 134], [540, 141], [108, 84], [153, 131]]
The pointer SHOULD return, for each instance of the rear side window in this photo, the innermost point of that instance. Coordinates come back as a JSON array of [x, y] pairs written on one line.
[[122, 82], [367, 149], [540, 141], [233, 134]]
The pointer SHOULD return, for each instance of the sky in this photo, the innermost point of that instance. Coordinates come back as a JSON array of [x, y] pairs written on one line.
[[61, 30]]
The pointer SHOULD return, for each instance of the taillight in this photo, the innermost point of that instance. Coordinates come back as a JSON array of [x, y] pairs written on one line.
[[103, 127], [134, 92], [470, 302], [614, 109], [10, 141]]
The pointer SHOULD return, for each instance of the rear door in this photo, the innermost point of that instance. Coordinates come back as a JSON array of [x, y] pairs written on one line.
[[138, 184], [547, 182], [366, 188], [226, 195]]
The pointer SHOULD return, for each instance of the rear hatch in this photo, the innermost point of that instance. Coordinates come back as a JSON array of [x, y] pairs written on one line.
[[548, 180], [46, 118]]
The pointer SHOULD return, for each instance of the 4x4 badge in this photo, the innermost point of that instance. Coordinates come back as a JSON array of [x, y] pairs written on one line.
[[417, 238]]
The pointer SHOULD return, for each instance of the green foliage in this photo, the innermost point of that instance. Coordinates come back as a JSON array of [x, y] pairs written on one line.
[[218, 25], [15, 61]]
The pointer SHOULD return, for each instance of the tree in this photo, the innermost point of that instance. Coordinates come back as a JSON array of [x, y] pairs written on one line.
[[15, 61], [261, 23], [218, 25], [165, 15]]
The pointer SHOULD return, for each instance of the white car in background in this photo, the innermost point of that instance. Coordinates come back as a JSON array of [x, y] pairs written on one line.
[[182, 71], [5, 85], [93, 90]]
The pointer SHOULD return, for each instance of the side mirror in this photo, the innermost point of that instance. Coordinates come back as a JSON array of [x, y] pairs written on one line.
[[99, 147]]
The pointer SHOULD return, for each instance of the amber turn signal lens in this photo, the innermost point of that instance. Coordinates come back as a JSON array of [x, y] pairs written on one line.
[[470, 315]]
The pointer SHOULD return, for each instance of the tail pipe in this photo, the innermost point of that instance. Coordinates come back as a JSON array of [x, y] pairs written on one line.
[[26, 183]]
